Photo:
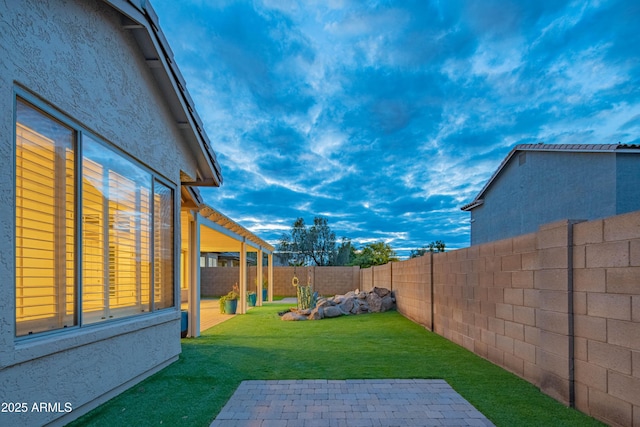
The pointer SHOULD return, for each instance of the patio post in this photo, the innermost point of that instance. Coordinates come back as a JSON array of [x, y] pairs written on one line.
[[194, 268], [270, 277], [242, 303], [259, 278]]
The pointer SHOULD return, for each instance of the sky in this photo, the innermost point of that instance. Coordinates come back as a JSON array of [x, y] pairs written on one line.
[[386, 117]]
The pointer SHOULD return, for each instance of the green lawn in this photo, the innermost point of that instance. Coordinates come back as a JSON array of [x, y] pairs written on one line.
[[261, 346]]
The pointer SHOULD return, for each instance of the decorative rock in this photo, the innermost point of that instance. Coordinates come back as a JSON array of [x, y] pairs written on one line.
[[293, 316], [381, 292], [363, 308], [332, 311], [387, 303], [316, 314], [354, 302], [347, 305], [375, 302]]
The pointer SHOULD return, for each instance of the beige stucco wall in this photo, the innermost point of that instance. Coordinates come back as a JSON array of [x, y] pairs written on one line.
[[76, 57]]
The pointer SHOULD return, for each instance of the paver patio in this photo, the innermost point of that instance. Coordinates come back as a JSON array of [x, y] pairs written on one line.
[[348, 403]]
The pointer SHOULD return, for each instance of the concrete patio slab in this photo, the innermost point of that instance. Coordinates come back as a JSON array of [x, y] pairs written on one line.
[[348, 403]]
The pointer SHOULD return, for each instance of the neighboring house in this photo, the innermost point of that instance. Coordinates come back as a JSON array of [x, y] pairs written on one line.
[[541, 183], [229, 259], [99, 140], [220, 259]]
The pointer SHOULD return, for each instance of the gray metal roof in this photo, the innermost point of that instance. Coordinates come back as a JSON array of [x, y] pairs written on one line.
[[139, 17], [575, 148]]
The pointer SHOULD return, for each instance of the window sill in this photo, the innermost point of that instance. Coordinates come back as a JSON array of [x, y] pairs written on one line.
[[40, 346]]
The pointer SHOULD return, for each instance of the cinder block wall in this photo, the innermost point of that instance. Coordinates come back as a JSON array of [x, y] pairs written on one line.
[[559, 308], [382, 276], [412, 287], [216, 281], [606, 279], [366, 279]]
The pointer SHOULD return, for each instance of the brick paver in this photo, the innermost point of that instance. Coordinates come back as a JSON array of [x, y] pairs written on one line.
[[348, 403]]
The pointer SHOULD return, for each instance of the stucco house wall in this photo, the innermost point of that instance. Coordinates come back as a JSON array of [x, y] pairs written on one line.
[[627, 183], [79, 59]]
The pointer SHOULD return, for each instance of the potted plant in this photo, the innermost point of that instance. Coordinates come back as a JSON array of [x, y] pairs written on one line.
[[265, 288], [229, 302], [252, 298]]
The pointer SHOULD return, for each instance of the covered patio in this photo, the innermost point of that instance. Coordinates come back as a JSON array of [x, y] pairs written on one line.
[[204, 229]]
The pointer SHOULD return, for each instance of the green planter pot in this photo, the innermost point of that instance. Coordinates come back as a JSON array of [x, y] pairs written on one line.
[[184, 324], [252, 300], [230, 306]]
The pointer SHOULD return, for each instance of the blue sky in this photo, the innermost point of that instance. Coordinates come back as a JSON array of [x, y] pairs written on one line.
[[387, 116]]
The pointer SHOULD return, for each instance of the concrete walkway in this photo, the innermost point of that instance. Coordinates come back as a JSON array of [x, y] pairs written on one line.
[[347, 403]]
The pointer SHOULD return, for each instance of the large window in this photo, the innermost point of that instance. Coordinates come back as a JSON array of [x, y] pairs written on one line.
[[123, 214]]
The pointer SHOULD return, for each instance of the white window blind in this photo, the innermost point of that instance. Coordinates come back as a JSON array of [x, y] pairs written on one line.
[[163, 247], [117, 227], [45, 285]]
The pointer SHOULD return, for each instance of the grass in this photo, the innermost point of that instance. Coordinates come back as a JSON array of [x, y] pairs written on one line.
[[259, 345]]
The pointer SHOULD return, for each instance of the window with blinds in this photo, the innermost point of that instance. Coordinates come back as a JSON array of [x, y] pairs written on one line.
[[124, 220], [117, 228], [45, 233]]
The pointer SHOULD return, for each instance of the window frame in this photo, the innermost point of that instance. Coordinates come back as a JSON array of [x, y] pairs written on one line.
[[79, 132]]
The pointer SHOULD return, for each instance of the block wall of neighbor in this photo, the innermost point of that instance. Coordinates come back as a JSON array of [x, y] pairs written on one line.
[[511, 302]]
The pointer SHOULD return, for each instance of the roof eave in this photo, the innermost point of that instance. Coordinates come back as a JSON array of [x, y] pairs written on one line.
[[148, 34], [472, 205], [226, 222]]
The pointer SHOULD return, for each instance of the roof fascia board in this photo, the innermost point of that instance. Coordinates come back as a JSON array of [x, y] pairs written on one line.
[[472, 205]]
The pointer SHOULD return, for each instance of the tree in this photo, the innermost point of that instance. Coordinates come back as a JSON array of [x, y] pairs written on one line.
[[314, 245], [377, 253], [345, 254], [437, 246], [415, 253], [321, 242]]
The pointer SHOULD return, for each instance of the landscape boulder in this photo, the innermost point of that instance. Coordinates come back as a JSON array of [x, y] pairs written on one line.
[[332, 311], [353, 302], [292, 315]]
